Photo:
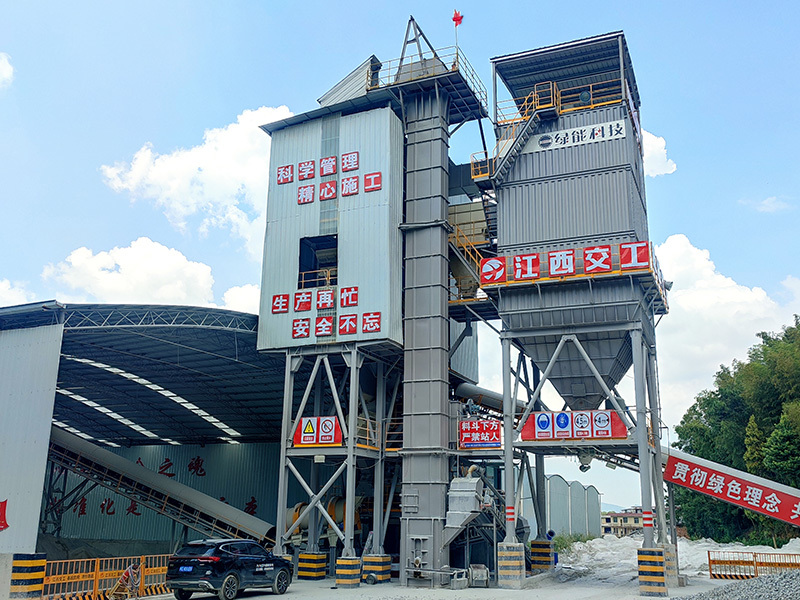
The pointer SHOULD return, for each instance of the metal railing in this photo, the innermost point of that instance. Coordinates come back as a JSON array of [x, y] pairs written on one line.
[[746, 565], [318, 278], [158, 500], [394, 435], [463, 243], [91, 578], [429, 63], [544, 95], [513, 114], [592, 95], [368, 433], [465, 289]]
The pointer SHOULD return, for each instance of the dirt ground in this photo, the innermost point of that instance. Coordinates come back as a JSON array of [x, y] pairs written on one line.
[[544, 588]]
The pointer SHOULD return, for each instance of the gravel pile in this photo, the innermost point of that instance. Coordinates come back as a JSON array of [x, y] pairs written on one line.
[[767, 587]]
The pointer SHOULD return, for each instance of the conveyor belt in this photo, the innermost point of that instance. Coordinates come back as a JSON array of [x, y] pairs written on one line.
[[179, 502]]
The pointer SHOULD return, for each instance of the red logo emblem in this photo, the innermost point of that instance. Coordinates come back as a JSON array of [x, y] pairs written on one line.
[[493, 270], [3, 522]]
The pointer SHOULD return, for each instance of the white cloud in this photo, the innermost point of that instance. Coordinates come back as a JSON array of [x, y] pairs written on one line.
[[223, 180], [713, 320], [13, 293], [144, 272], [772, 204], [655, 156], [244, 298], [6, 70]]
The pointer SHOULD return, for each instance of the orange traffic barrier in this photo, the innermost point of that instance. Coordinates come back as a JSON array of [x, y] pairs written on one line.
[[96, 578], [746, 565]]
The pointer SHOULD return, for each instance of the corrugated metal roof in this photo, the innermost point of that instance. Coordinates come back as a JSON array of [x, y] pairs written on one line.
[[135, 360], [353, 85], [580, 61]]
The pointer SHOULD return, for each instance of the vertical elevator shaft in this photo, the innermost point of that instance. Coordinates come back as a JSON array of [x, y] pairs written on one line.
[[426, 427]]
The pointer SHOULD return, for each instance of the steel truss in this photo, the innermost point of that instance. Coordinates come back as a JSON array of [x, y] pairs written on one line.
[[363, 432], [647, 408]]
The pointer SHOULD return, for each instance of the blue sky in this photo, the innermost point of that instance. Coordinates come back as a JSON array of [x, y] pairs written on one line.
[[131, 168]]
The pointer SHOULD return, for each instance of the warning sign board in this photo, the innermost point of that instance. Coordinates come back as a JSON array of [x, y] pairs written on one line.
[[574, 425], [318, 431], [543, 425], [479, 433], [327, 430], [562, 425]]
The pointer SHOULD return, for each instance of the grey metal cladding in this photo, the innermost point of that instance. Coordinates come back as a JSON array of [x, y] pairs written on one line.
[[593, 510], [464, 361], [590, 193], [622, 152], [29, 360], [353, 85], [577, 207]]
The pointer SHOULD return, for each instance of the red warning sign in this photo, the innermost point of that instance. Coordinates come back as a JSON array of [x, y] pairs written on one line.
[[574, 425], [318, 431]]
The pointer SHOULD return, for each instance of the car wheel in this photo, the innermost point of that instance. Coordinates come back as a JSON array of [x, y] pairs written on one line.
[[230, 587], [182, 594], [281, 582]]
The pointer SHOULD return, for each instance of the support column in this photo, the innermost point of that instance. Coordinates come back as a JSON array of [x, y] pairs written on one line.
[[377, 503], [655, 426], [645, 458], [355, 360], [538, 465], [291, 367], [426, 420], [510, 554], [508, 444], [313, 516]]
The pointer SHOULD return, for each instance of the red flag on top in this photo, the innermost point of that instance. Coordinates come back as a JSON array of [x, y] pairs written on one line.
[[457, 18]]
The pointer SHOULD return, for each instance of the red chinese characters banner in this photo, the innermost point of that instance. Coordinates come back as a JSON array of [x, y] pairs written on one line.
[[566, 263], [479, 433], [736, 487]]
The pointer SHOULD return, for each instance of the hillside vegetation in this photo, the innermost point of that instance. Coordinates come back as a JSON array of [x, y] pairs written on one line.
[[750, 420]]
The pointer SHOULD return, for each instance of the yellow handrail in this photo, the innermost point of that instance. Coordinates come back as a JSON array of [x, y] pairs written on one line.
[[513, 114], [318, 278], [367, 433], [394, 434], [462, 242]]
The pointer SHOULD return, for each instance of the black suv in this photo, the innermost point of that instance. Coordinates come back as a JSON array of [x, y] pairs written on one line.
[[226, 567]]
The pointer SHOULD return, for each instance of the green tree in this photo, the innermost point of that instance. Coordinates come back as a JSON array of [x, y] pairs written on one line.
[[782, 452], [754, 447], [750, 420]]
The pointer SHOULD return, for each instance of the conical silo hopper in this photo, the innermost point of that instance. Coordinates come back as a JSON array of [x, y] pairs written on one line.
[[598, 313]]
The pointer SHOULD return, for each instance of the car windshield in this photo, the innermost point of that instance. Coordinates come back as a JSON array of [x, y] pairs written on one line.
[[196, 550]]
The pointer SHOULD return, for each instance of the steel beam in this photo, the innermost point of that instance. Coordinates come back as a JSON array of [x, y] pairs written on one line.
[[508, 444], [292, 365], [645, 458]]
